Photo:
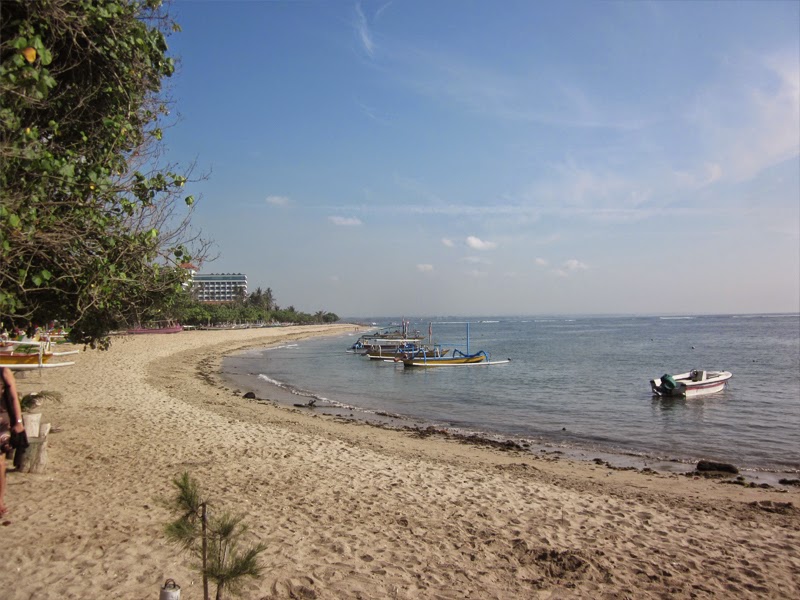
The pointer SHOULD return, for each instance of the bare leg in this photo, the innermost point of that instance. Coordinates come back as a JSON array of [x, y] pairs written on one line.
[[3, 508]]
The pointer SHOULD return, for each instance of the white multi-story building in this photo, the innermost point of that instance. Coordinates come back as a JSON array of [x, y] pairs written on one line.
[[219, 287]]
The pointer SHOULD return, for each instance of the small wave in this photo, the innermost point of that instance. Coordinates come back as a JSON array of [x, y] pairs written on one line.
[[675, 318], [292, 389], [272, 381]]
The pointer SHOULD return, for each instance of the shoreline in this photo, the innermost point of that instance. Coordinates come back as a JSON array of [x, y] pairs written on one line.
[[348, 510], [288, 397]]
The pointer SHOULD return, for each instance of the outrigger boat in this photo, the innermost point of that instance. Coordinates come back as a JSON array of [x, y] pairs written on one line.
[[27, 355], [386, 340], [691, 384], [397, 354], [422, 358]]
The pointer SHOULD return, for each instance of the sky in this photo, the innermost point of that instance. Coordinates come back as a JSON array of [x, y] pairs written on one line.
[[457, 157]]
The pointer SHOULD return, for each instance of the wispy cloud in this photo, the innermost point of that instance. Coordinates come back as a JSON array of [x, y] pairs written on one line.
[[425, 268], [448, 242], [541, 262], [363, 31], [277, 200], [549, 98], [478, 244], [477, 260], [373, 113], [477, 273], [345, 221], [705, 175], [750, 115]]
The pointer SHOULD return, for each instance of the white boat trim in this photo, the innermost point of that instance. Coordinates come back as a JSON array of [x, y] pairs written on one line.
[[485, 363], [31, 367]]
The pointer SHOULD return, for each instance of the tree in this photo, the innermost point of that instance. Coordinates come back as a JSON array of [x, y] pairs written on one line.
[[269, 300], [216, 541], [91, 226]]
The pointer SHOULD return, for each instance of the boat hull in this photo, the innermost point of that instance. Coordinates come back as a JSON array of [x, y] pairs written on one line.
[[446, 361], [23, 359]]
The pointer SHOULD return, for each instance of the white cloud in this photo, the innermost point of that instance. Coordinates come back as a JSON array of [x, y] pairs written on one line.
[[448, 242], [425, 268], [574, 265], [277, 200], [570, 266], [345, 221], [541, 262], [478, 244]]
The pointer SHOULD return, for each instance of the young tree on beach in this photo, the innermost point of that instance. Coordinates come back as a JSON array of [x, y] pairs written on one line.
[[214, 541], [93, 227]]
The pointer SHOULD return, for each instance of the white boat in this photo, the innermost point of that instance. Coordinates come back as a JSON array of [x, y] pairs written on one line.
[[691, 384]]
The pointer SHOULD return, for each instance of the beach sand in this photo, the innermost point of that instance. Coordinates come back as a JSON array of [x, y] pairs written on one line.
[[348, 510]]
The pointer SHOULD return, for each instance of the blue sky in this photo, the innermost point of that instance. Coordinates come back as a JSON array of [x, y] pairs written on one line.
[[505, 158]]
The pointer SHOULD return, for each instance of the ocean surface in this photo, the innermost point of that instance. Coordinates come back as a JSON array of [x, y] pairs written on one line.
[[578, 385]]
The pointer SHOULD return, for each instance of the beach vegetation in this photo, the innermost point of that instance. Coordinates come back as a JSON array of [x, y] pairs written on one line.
[[94, 224], [215, 541], [258, 307], [35, 400]]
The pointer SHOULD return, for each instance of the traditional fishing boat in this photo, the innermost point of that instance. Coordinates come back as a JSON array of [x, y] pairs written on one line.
[[458, 358], [26, 355], [401, 352], [422, 358], [388, 351], [387, 340], [691, 384]]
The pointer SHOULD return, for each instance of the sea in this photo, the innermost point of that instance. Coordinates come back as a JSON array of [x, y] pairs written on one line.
[[577, 386]]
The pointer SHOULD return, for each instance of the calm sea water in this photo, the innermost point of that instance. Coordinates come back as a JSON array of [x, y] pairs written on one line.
[[577, 383]]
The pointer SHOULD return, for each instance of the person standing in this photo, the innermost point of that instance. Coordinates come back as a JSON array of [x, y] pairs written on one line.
[[12, 427]]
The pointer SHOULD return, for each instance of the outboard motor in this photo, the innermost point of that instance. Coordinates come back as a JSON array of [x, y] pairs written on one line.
[[668, 382]]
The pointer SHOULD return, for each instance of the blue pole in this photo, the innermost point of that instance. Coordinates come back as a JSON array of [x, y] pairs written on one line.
[[467, 337]]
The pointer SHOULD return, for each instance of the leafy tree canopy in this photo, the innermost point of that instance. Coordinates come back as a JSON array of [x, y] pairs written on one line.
[[92, 227]]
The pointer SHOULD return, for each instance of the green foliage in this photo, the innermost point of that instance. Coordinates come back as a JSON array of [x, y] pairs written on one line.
[[35, 400], [228, 562], [258, 307], [219, 546], [89, 232]]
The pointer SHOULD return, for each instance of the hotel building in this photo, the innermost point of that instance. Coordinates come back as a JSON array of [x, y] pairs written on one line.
[[219, 287]]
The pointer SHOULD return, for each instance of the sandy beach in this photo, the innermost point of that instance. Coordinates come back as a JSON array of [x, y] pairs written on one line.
[[349, 510]]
